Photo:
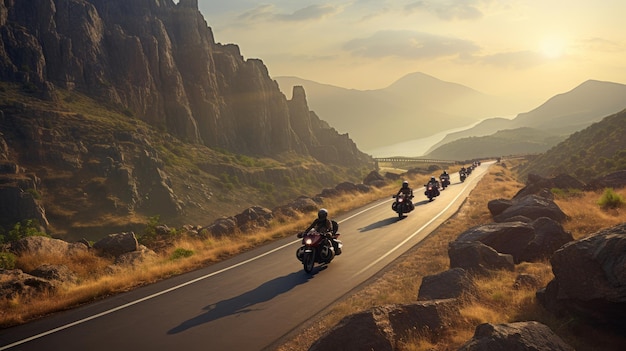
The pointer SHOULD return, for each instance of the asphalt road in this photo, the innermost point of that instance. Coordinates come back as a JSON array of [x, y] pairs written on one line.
[[248, 302]]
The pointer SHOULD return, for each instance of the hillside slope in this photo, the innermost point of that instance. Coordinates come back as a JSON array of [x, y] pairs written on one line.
[[502, 143], [596, 150]]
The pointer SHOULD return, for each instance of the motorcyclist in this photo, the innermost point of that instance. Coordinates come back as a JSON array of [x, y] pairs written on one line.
[[408, 192], [463, 170], [324, 226], [445, 179], [435, 184]]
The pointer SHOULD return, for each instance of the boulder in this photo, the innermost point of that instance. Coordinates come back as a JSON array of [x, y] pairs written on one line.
[[117, 244], [613, 180], [373, 178], [533, 207], [384, 327], [445, 285], [478, 258], [255, 216], [42, 245], [590, 278], [15, 282], [346, 187], [222, 226], [535, 184], [515, 336], [549, 237], [59, 273], [508, 237], [135, 258], [498, 206]]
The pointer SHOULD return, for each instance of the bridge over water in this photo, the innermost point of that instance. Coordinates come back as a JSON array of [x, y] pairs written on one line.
[[410, 162]]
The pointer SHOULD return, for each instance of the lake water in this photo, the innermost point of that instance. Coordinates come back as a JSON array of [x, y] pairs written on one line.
[[416, 147]]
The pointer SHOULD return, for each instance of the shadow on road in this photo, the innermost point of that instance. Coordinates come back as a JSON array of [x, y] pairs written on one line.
[[379, 224], [244, 302]]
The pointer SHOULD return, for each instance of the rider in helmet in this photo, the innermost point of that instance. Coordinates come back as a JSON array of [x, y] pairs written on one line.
[[321, 224], [435, 183], [406, 190]]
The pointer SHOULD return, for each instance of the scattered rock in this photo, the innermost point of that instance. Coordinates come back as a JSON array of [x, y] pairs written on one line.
[[445, 285], [515, 336], [477, 258], [117, 244]]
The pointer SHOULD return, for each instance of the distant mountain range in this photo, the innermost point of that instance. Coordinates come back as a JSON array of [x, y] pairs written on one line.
[[415, 106], [561, 115]]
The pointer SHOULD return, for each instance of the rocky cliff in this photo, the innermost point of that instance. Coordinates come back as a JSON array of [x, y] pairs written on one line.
[[156, 64]]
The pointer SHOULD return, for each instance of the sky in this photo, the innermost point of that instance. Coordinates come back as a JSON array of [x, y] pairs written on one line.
[[526, 50]]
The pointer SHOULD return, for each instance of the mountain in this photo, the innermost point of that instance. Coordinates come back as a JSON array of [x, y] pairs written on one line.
[[113, 111], [561, 115], [596, 150], [417, 105], [504, 142]]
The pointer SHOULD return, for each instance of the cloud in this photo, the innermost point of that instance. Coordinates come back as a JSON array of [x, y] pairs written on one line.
[[448, 10], [269, 13], [409, 45]]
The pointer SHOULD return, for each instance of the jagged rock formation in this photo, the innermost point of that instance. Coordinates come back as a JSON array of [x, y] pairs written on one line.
[[156, 63]]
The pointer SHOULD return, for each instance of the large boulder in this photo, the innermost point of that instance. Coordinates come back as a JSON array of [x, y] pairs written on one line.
[[252, 217], [478, 258], [535, 184], [613, 180], [508, 237], [498, 206], [448, 284], [117, 244], [533, 207], [520, 336], [42, 245], [549, 237], [52, 272], [15, 282], [383, 327], [590, 278]]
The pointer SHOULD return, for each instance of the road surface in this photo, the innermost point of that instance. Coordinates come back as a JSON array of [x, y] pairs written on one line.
[[248, 302]]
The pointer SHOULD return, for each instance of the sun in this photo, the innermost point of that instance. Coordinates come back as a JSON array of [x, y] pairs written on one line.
[[553, 47]]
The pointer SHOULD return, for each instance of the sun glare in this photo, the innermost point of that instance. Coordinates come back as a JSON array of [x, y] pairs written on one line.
[[553, 47]]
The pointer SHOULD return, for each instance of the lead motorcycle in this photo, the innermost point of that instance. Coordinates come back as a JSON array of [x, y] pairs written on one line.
[[318, 248], [402, 204], [445, 181]]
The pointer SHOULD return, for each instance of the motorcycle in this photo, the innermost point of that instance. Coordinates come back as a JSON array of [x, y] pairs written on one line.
[[445, 181], [402, 204], [318, 248], [431, 191], [462, 175]]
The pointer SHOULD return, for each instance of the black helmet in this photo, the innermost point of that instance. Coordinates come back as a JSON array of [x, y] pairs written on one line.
[[405, 184], [445, 172], [432, 178], [322, 214]]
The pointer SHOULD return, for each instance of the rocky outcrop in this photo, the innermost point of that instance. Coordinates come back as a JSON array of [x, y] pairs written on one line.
[[515, 336], [532, 207], [159, 61], [15, 283], [452, 283], [385, 327], [537, 183], [476, 257], [613, 180], [590, 278], [117, 244], [41, 245]]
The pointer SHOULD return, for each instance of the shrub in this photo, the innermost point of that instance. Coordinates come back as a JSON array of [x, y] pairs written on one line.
[[29, 227], [180, 253], [610, 199], [7, 260]]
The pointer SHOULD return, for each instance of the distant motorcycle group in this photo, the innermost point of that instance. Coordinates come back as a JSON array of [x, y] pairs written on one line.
[[403, 203], [320, 243]]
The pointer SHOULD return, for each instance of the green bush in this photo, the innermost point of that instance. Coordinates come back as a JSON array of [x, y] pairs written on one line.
[[610, 199], [29, 227], [7, 260], [180, 253]]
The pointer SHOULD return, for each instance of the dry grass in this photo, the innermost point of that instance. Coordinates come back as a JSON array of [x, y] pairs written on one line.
[[497, 301]]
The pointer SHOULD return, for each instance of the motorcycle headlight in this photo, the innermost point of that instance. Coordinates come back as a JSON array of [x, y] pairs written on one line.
[[308, 241]]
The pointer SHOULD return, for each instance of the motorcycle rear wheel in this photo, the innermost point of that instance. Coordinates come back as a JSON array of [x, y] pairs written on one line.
[[308, 261]]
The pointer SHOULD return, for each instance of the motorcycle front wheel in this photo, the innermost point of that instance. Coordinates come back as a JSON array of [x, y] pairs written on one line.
[[308, 261]]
